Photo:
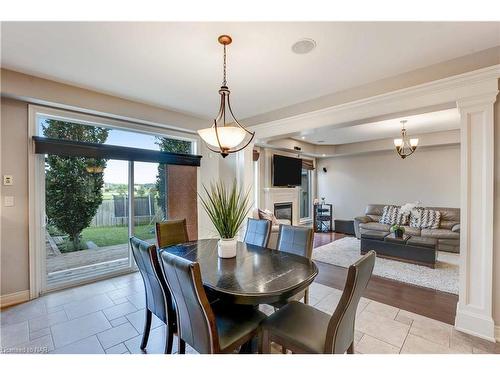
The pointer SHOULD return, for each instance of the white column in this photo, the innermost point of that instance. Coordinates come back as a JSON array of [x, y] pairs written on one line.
[[245, 177], [474, 309]]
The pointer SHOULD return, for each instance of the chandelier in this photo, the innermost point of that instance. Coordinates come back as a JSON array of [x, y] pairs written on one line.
[[405, 146], [222, 137]]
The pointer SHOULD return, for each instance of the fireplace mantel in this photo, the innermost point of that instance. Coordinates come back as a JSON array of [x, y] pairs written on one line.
[[283, 195]]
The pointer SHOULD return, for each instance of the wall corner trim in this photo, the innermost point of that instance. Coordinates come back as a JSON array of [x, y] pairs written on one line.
[[14, 298], [497, 333]]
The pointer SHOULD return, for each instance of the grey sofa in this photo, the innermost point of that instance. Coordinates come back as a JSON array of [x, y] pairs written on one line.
[[447, 235]]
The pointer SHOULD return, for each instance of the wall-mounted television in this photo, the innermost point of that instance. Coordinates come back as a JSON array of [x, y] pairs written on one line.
[[286, 171]]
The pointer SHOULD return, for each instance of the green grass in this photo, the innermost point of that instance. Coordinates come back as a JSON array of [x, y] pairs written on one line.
[[108, 236]]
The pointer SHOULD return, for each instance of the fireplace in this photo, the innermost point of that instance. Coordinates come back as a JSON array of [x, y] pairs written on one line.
[[283, 210]]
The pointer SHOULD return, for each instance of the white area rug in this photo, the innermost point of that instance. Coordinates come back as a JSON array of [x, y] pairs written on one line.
[[444, 277]]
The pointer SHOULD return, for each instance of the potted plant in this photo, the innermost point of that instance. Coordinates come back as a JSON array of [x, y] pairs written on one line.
[[227, 208], [398, 230]]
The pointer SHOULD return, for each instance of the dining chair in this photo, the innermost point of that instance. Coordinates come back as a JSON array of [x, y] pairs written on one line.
[[207, 329], [258, 232], [298, 241], [171, 232], [158, 298], [303, 329]]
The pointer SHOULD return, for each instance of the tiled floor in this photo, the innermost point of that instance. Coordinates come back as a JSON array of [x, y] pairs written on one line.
[[108, 317]]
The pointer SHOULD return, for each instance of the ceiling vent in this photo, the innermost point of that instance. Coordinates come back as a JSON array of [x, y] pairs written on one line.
[[303, 46]]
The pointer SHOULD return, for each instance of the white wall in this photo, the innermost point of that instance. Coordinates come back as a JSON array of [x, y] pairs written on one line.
[[431, 175]]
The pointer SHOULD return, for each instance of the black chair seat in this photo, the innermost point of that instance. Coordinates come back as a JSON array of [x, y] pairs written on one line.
[[301, 325], [233, 323]]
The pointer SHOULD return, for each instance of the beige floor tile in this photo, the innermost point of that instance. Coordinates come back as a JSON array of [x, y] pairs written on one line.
[[460, 340], [387, 330], [403, 319], [371, 345], [418, 345], [382, 309], [357, 336], [432, 330], [330, 302], [320, 291]]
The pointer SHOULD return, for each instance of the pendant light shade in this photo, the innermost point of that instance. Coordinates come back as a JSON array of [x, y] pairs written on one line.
[[225, 138]]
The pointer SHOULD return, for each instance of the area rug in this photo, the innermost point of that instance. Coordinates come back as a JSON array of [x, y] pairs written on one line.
[[444, 277]]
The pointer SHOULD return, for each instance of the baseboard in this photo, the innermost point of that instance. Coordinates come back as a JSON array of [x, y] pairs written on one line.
[[475, 325], [14, 298]]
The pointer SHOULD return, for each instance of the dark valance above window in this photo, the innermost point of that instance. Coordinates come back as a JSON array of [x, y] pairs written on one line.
[[307, 164], [96, 150]]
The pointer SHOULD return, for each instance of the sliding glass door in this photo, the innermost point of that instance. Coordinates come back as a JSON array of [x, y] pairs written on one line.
[[87, 226], [89, 207]]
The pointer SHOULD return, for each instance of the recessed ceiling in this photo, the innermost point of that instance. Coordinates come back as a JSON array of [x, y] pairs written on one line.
[[417, 124], [179, 65]]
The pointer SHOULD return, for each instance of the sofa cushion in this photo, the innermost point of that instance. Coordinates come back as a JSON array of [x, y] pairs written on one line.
[[267, 215], [392, 215], [375, 226], [440, 233], [425, 218], [411, 231]]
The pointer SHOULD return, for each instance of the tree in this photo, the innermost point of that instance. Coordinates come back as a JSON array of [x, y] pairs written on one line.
[[167, 145], [73, 184]]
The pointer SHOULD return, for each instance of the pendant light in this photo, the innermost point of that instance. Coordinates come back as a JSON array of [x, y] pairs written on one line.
[[222, 137], [405, 146]]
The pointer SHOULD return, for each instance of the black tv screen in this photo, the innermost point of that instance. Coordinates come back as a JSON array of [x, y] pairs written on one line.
[[286, 171]]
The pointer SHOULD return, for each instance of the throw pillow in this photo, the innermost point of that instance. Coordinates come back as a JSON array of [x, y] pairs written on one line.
[[268, 215], [425, 219], [392, 215]]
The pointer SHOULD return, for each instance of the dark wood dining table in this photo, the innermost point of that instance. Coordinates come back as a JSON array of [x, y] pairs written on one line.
[[257, 275]]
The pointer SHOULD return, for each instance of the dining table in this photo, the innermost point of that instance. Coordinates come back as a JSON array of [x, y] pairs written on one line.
[[257, 275]]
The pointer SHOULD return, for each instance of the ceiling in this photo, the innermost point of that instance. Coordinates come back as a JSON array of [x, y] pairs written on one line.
[[417, 124], [179, 65]]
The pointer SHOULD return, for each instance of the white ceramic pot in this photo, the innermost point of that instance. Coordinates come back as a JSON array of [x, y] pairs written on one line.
[[227, 247]]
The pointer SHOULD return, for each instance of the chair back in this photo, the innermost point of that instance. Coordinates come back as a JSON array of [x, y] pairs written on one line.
[[340, 333], [171, 232], [195, 318], [295, 240], [158, 298], [257, 232]]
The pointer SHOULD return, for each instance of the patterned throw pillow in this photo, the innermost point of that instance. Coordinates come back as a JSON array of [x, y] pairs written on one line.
[[392, 215], [268, 215], [425, 219]]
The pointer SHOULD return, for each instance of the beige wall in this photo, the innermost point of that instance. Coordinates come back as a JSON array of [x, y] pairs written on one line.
[[431, 175], [496, 234], [14, 220]]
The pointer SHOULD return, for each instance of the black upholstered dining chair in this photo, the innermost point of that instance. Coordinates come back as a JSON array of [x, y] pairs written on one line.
[[208, 329], [298, 241], [171, 232], [304, 329], [258, 232], [158, 298]]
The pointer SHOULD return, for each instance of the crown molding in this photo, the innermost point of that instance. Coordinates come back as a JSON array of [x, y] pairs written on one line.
[[444, 91]]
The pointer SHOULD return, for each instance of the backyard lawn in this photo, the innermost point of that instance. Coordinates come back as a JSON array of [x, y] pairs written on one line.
[[107, 236]]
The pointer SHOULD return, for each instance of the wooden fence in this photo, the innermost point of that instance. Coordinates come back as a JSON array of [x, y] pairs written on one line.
[[114, 212]]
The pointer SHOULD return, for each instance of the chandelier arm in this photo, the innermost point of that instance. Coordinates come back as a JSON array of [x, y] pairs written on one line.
[[235, 120]]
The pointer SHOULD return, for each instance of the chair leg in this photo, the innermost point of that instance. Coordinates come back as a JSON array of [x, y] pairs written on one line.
[[170, 340], [147, 328], [182, 346], [306, 296], [350, 349], [264, 344]]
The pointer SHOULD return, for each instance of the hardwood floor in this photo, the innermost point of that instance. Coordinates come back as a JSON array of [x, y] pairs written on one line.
[[428, 302]]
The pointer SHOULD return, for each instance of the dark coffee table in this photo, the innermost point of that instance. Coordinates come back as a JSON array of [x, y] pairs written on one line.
[[416, 250]]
